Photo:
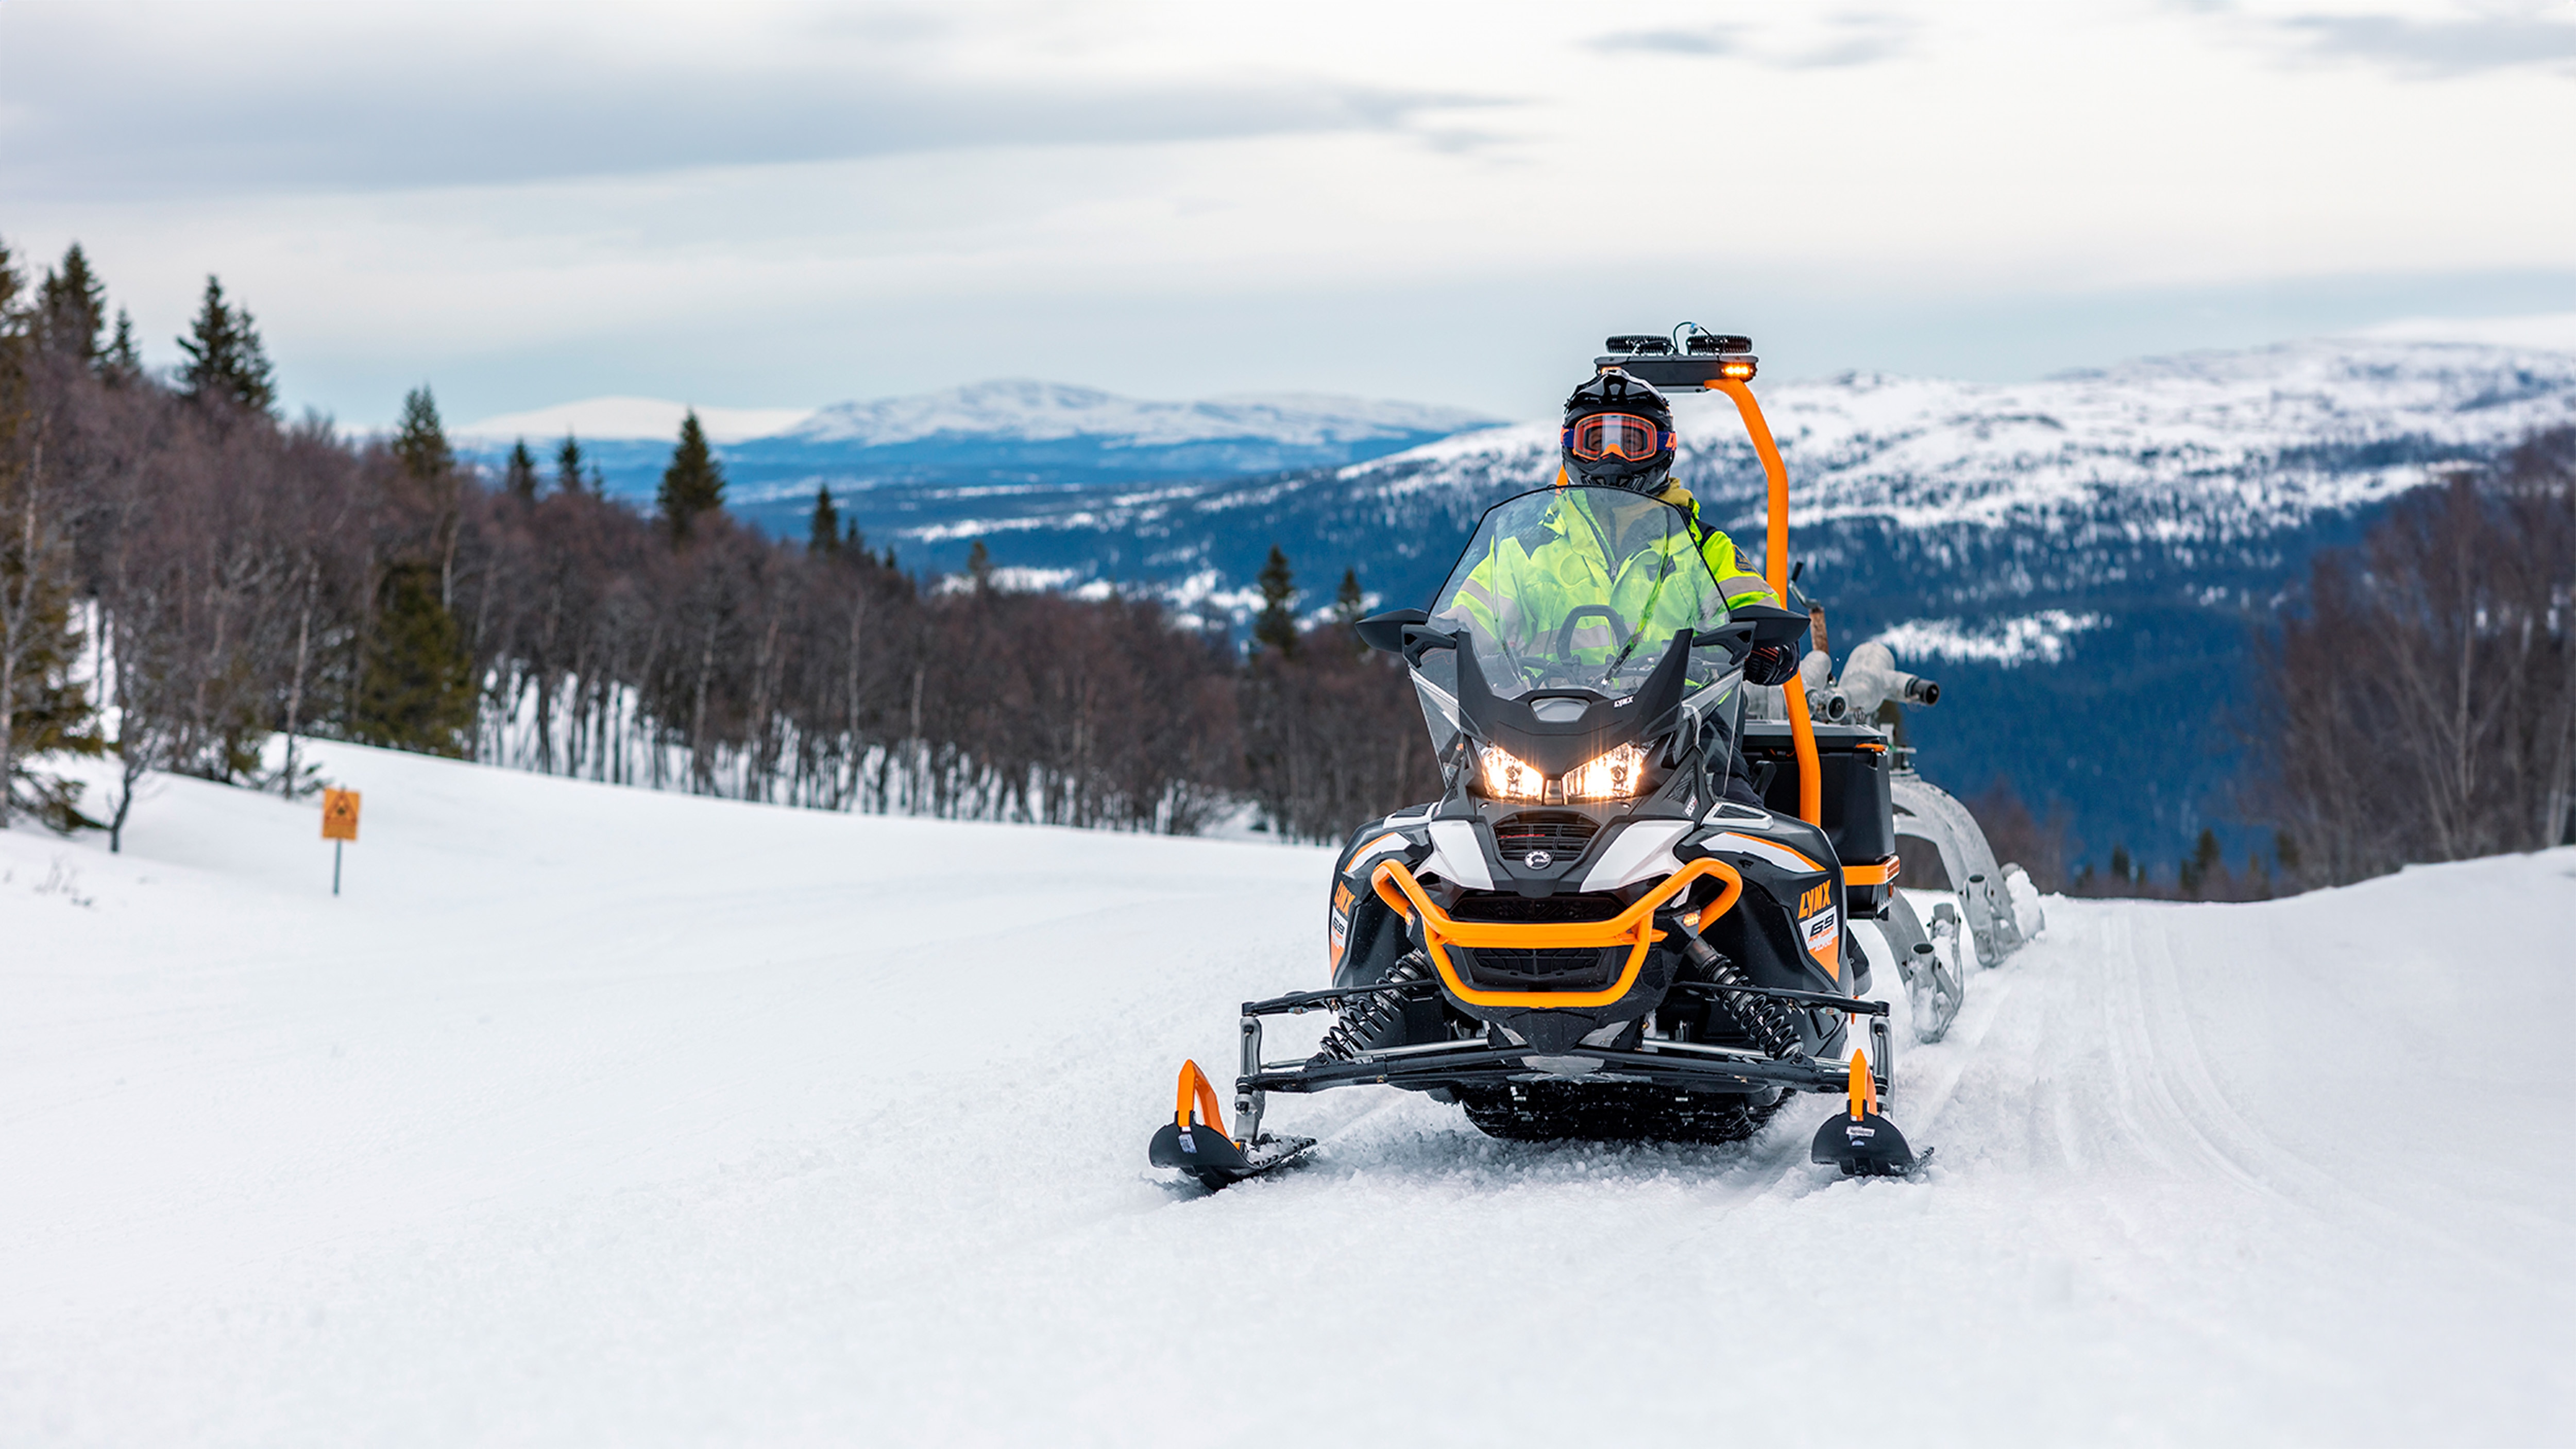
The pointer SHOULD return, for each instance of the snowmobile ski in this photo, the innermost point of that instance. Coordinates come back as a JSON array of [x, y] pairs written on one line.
[[1203, 1150], [1861, 1142]]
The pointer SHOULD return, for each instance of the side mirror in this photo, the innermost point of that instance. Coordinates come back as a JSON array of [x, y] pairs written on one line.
[[1772, 624], [1386, 631]]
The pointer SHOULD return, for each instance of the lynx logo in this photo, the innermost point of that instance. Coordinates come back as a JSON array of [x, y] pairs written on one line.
[[1816, 900]]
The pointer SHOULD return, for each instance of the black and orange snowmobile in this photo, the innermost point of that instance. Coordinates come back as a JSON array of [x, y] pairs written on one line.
[[1584, 936]]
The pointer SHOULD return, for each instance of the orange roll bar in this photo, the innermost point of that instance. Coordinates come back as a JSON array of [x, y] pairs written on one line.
[[1802, 731]]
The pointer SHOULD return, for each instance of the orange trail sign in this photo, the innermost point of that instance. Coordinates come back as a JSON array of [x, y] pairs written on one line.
[[339, 826], [339, 815]]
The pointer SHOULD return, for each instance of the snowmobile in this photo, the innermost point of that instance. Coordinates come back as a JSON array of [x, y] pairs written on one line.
[[1583, 937]]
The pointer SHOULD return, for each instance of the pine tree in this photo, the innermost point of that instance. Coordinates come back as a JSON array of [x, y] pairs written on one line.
[[1348, 602], [979, 567], [823, 532], [121, 362], [568, 466], [43, 709], [71, 309], [521, 477], [693, 484], [420, 441], [2204, 867], [1277, 626], [225, 361], [418, 690]]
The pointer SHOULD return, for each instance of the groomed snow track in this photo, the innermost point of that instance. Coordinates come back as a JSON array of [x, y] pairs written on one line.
[[592, 1116]]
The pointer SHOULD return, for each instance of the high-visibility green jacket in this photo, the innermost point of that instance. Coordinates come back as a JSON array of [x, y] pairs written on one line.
[[1531, 583]]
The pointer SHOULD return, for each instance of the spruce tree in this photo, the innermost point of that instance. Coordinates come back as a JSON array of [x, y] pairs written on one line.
[[979, 567], [418, 690], [71, 309], [1348, 602], [568, 465], [44, 709], [121, 362], [225, 361], [1277, 625], [420, 441], [823, 532], [521, 477], [693, 484]]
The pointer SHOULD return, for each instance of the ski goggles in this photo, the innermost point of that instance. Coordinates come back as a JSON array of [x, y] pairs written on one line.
[[1616, 435]]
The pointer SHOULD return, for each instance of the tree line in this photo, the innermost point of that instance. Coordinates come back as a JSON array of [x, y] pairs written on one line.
[[190, 583]]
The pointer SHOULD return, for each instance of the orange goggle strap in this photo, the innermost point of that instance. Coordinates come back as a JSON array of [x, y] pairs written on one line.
[[1659, 441]]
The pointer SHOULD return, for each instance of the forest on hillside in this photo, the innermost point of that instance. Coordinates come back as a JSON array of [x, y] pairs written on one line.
[[191, 583], [188, 578]]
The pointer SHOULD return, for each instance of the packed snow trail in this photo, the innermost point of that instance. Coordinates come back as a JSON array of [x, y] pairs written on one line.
[[596, 1116]]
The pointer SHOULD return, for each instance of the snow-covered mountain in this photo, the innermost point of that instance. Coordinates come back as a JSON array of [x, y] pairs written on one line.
[[1022, 410], [627, 419]]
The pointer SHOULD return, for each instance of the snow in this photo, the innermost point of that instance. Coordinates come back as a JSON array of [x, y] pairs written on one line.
[[2040, 637], [598, 1116], [632, 417]]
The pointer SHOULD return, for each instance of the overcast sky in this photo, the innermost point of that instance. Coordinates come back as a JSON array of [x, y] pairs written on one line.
[[787, 206]]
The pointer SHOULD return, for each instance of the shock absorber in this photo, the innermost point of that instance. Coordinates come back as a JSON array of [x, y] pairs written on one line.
[[1761, 1018], [1375, 1018]]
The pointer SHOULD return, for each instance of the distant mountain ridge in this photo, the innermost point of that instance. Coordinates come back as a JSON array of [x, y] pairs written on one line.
[[1014, 433]]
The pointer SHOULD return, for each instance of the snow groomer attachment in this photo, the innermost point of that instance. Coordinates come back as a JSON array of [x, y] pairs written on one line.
[[1585, 937]]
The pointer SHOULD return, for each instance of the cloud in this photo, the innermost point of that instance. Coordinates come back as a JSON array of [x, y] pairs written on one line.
[[407, 109], [1847, 40], [2426, 49], [1718, 40]]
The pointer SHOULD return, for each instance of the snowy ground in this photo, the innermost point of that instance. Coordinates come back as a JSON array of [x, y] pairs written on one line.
[[593, 1116]]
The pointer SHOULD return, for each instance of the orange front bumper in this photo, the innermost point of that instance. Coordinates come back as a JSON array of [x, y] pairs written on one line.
[[1633, 928]]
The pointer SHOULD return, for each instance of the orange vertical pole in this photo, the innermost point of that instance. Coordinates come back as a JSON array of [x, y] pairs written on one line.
[[1775, 566]]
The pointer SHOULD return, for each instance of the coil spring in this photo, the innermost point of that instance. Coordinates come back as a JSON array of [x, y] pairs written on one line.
[[1362, 1028], [1763, 1019]]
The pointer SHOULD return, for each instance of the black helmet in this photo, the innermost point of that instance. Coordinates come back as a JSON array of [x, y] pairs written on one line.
[[1619, 431]]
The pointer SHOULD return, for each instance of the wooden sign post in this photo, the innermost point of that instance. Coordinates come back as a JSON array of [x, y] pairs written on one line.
[[339, 826]]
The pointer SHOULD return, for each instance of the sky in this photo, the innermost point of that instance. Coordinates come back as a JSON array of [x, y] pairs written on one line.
[[776, 206]]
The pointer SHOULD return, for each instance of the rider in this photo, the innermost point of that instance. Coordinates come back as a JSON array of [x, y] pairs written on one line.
[[1619, 434]]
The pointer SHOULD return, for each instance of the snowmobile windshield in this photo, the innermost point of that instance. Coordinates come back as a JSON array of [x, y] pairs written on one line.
[[1582, 588]]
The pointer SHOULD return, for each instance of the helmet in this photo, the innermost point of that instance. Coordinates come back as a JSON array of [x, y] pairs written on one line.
[[1619, 431]]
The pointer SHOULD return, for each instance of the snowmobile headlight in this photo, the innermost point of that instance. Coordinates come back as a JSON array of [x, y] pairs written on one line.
[[1508, 776], [1613, 776]]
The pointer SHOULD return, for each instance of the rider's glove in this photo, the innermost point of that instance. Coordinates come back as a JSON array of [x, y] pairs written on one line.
[[1771, 664]]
